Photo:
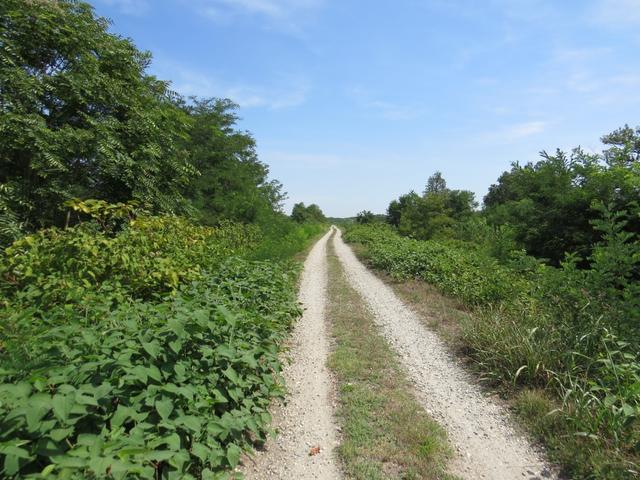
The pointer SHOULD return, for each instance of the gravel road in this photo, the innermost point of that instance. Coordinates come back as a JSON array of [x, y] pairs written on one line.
[[487, 446], [306, 421]]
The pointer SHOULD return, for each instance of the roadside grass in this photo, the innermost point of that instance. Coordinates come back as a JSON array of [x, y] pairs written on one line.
[[386, 434], [534, 408]]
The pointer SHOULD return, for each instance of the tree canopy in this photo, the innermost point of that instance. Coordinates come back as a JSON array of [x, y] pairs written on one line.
[[232, 183], [301, 213], [80, 117], [550, 204], [435, 213]]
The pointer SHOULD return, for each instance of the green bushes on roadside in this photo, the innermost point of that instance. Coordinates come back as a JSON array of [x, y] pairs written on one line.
[[151, 255], [573, 332], [144, 351], [464, 273], [150, 390]]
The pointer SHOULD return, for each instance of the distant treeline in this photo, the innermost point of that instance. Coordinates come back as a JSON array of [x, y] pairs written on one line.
[[549, 208]]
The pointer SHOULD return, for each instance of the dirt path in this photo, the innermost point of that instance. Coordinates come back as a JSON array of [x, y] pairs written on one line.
[[487, 446], [306, 421]]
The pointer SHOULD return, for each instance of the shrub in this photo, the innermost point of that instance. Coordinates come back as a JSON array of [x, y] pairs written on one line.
[[149, 390], [151, 255]]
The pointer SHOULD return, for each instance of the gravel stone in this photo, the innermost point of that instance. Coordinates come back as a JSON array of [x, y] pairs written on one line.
[[487, 445], [306, 421]]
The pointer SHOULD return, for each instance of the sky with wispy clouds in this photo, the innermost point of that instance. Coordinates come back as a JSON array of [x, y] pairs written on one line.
[[354, 102]]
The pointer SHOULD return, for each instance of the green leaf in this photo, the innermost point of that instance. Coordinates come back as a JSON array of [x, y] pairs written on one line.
[[12, 447], [47, 470], [152, 348], [201, 451], [120, 415], [231, 374], [139, 372], [192, 422], [11, 464], [164, 408], [233, 454], [62, 406], [60, 433]]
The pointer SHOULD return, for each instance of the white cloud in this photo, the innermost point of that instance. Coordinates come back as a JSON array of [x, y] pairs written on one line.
[[290, 92], [284, 15], [526, 129], [367, 100]]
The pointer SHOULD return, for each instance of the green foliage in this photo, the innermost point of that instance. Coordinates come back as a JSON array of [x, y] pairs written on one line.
[[149, 390], [549, 204], [282, 238], [146, 351], [364, 217], [10, 226], [435, 214], [79, 116], [312, 213], [150, 255], [462, 272], [232, 183]]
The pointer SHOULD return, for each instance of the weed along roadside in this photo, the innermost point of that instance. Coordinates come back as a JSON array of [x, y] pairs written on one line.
[[523, 340], [154, 353]]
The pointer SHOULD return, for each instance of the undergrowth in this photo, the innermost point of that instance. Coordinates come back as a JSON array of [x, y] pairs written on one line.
[[568, 332], [148, 349]]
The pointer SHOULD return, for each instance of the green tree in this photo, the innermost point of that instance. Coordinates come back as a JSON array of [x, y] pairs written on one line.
[[365, 216], [232, 182], [436, 184], [549, 204], [396, 207], [79, 117], [302, 214], [435, 213]]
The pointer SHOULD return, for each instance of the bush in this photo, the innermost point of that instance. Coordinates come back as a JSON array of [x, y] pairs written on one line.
[[151, 255], [149, 390], [144, 348]]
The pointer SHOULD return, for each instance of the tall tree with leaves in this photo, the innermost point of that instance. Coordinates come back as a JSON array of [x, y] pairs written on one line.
[[232, 182], [549, 204], [301, 213], [79, 117], [435, 213]]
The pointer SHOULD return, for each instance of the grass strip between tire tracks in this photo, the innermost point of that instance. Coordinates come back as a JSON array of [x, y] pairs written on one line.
[[386, 434]]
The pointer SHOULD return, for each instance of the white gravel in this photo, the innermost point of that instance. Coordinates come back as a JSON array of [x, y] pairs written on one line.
[[487, 446], [306, 421]]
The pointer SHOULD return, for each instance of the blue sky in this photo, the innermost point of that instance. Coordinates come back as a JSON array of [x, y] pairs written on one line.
[[353, 103]]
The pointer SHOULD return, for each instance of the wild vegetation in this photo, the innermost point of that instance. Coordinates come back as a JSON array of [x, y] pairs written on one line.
[[562, 340], [146, 274]]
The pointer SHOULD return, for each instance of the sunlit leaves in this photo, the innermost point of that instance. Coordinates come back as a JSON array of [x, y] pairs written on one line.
[[176, 387]]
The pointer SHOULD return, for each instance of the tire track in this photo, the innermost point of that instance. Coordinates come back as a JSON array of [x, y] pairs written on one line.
[[479, 429], [306, 420]]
